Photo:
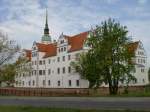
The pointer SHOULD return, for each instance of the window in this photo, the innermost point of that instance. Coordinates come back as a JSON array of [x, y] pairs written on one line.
[[29, 83], [40, 62], [69, 82], [69, 57], [134, 81], [58, 59], [77, 56], [34, 54], [143, 81], [138, 60], [34, 72], [44, 62], [33, 83], [49, 71], [142, 70], [77, 83], [58, 83], [49, 82], [62, 41], [40, 72], [143, 60], [49, 61], [69, 69], [63, 58], [61, 49], [64, 48], [43, 72], [63, 69], [43, 82], [58, 70], [35, 62], [23, 83]]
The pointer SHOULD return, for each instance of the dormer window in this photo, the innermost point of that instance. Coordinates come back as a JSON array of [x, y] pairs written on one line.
[[34, 48], [62, 41], [64, 48], [61, 49]]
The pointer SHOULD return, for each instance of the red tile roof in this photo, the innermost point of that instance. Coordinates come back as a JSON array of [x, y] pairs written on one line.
[[49, 49], [28, 54], [77, 41], [132, 47]]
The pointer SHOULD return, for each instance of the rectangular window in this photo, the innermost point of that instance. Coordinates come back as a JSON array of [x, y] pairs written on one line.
[[43, 62], [63, 69], [69, 69], [49, 71], [40, 62], [49, 82], [43, 72], [69, 57], [63, 58], [58, 70], [33, 83], [77, 83], [58, 59], [142, 70], [34, 72], [69, 82], [43, 82], [29, 83], [49, 61], [77, 56], [58, 83], [40, 72], [64, 48]]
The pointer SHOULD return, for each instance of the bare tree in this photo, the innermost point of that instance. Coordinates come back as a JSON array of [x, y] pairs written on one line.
[[8, 49]]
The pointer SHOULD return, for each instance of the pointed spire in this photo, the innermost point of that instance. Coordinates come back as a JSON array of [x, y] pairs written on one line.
[[46, 29]]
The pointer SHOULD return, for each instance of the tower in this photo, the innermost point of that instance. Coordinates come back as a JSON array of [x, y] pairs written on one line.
[[46, 38]]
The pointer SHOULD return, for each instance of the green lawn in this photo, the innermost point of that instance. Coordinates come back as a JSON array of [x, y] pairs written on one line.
[[40, 109]]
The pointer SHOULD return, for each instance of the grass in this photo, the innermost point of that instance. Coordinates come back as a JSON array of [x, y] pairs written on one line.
[[42, 109]]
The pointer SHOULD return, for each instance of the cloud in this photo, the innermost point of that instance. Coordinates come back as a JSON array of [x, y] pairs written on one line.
[[142, 2]]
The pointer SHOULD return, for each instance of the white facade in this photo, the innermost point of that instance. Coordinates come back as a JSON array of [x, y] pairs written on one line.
[[50, 63], [56, 72]]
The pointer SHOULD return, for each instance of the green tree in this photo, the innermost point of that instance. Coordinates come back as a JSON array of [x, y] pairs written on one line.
[[7, 74], [111, 59]]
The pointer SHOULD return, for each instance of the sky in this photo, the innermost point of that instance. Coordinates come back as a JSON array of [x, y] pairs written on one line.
[[23, 20]]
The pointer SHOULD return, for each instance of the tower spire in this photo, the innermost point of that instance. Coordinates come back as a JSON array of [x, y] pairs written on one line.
[[46, 29], [46, 38]]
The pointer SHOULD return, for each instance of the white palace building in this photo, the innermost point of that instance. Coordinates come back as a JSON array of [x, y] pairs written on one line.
[[50, 62]]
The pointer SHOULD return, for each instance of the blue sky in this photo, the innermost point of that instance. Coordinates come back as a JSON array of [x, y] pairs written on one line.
[[23, 20]]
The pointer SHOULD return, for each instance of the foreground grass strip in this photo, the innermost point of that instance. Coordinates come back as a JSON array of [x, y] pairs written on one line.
[[42, 109]]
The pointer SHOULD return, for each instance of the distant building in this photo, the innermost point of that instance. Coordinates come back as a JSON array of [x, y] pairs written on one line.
[[50, 62]]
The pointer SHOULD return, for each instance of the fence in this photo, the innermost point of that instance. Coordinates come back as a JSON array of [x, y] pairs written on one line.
[[61, 91]]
